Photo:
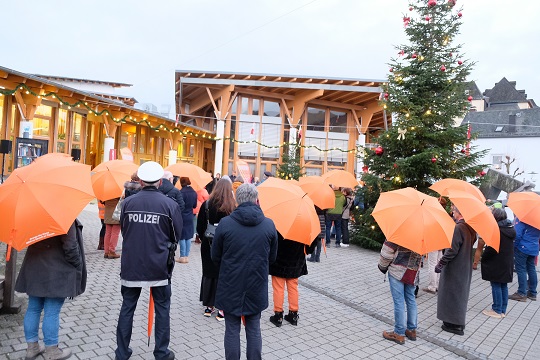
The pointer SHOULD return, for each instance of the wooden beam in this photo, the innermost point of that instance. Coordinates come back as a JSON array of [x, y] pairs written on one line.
[[267, 94], [367, 114], [335, 104], [20, 103], [205, 99], [299, 103]]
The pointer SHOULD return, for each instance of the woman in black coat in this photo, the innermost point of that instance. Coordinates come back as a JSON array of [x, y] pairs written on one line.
[[497, 267], [190, 202], [290, 264], [220, 204], [52, 270]]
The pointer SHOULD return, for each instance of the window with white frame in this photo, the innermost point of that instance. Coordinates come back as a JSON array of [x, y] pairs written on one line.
[[497, 161]]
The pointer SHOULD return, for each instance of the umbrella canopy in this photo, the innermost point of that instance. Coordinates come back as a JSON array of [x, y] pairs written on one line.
[[42, 200], [526, 206], [321, 194], [414, 220], [109, 178], [340, 178], [198, 177], [291, 210], [444, 185], [478, 216]]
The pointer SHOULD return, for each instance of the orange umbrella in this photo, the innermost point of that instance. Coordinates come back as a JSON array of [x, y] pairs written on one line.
[[478, 216], [414, 220], [444, 185], [42, 200], [526, 206], [340, 178], [291, 210], [321, 194], [109, 178], [198, 177], [150, 315]]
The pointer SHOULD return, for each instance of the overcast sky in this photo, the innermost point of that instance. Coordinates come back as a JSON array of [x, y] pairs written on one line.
[[142, 42]]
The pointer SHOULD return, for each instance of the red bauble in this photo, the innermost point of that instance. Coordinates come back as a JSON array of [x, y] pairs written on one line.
[[451, 54], [443, 68], [391, 70], [470, 98], [459, 62], [395, 166], [411, 8], [451, 2], [414, 56], [463, 151], [459, 14], [427, 18], [481, 173], [433, 160], [431, 3], [365, 168], [379, 151], [386, 95]]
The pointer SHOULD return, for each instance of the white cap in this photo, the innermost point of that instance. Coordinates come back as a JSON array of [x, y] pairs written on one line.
[[150, 172]]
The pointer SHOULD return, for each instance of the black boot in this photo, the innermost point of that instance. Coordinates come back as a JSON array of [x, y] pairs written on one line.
[[100, 245], [292, 317], [277, 318]]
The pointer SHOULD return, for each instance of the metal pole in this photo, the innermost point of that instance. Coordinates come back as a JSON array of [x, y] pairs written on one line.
[[8, 304], [3, 160]]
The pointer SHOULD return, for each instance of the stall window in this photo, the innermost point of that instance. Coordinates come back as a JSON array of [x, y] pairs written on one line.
[[42, 120], [128, 137], [142, 140], [62, 130], [315, 119], [271, 108]]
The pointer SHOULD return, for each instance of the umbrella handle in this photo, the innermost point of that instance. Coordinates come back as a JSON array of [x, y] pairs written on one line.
[[150, 315], [8, 253]]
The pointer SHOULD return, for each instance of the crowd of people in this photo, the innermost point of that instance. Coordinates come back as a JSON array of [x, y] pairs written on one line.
[[240, 248]]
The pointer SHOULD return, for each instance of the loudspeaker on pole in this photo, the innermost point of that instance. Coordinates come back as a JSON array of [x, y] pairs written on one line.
[[76, 154], [5, 146]]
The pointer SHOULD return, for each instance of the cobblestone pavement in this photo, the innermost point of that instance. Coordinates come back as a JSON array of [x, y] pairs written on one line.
[[344, 307]]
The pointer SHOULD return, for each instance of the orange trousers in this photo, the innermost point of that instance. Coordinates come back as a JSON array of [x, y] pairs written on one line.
[[278, 285]]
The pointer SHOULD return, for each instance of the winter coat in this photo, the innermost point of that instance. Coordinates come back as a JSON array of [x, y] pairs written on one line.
[[244, 245], [190, 202], [131, 188], [55, 267], [455, 280], [110, 205], [498, 266], [150, 223], [401, 262], [291, 259], [338, 208], [527, 238], [347, 207], [209, 268], [168, 189]]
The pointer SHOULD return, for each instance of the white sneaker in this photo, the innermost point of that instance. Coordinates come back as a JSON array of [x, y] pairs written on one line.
[[344, 245]]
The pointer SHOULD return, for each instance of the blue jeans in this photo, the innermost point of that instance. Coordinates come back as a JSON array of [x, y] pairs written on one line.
[[499, 291], [253, 337], [525, 266], [162, 329], [51, 319], [337, 224], [185, 247], [403, 294]]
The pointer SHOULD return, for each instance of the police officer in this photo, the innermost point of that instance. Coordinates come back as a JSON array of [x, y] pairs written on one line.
[[151, 226]]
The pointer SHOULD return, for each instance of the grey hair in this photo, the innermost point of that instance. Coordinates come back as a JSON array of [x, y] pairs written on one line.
[[499, 214], [246, 193], [226, 177], [155, 184], [167, 175]]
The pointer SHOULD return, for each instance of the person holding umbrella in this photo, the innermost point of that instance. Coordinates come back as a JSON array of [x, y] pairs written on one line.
[[290, 264], [60, 261], [526, 249], [190, 202], [497, 267], [151, 225]]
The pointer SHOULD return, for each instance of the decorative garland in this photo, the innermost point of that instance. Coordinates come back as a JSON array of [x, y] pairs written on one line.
[[126, 118]]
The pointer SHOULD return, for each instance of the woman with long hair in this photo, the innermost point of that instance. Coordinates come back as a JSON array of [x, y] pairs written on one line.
[[220, 204]]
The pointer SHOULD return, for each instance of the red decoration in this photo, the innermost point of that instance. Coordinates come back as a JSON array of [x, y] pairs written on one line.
[[391, 70], [401, 53], [451, 54], [365, 168], [406, 21], [411, 8], [395, 166], [427, 18], [414, 56], [431, 3], [463, 151], [481, 173], [443, 68], [379, 151], [452, 2], [459, 14], [459, 62], [470, 98], [386, 95], [433, 160]]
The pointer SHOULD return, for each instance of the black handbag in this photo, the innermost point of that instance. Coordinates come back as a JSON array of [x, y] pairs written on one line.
[[210, 228]]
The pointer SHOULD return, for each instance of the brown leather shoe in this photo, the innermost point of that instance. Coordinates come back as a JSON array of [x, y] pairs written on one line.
[[106, 255], [392, 336], [112, 255], [410, 334]]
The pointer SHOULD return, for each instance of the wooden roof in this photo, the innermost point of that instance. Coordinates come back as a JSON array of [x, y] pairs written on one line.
[[341, 93], [88, 81]]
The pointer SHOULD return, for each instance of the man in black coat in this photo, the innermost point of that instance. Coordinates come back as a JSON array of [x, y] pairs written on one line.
[[170, 191], [151, 226], [244, 245]]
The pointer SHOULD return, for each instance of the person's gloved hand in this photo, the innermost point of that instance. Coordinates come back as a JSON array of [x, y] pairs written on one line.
[[382, 269], [438, 268]]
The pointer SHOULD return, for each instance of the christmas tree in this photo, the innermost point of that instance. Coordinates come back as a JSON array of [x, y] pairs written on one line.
[[290, 167], [425, 94]]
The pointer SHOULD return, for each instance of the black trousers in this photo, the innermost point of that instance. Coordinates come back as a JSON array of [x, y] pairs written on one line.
[[162, 329]]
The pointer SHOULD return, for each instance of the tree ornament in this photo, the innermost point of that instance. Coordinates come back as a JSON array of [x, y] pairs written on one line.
[[459, 14], [463, 151], [401, 133], [460, 62], [406, 21], [433, 160], [365, 168], [391, 70], [379, 151], [395, 166], [414, 56], [470, 98], [411, 8], [443, 68], [386, 95], [481, 173], [401, 53], [452, 3], [427, 18], [431, 3]]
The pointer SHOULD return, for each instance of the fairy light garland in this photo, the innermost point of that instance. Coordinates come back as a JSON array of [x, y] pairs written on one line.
[[161, 127]]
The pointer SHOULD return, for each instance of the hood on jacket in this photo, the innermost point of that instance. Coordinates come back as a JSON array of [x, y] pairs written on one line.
[[507, 228], [132, 185], [248, 214], [165, 186]]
